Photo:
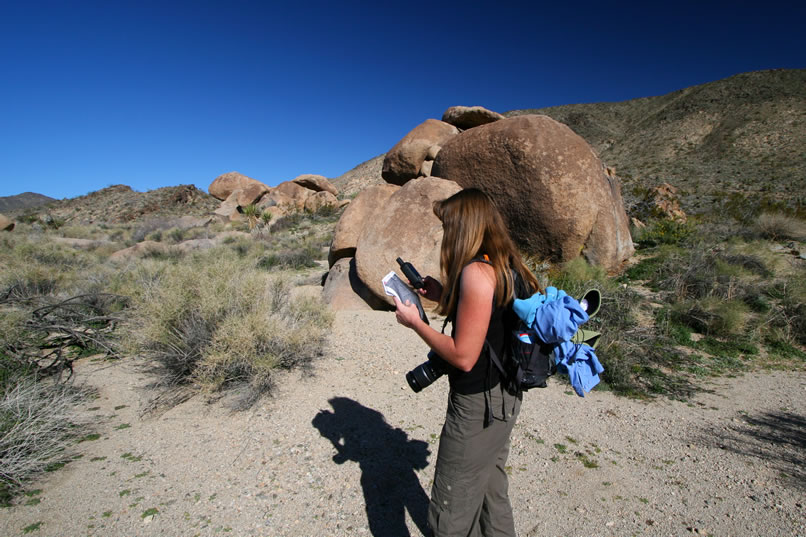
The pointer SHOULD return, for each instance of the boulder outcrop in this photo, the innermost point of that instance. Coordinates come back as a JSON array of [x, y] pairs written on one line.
[[467, 117], [228, 210], [293, 191], [320, 199], [224, 185], [344, 290], [251, 193], [549, 185], [661, 202], [361, 212], [403, 162], [317, 183], [6, 224], [406, 227]]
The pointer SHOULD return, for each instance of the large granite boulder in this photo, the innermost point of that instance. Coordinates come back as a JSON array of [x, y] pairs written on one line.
[[344, 291], [467, 117], [293, 191], [6, 224], [228, 210], [224, 185], [406, 228], [251, 193], [317, 183], [365, 210], [320, 199], [404, 161], [549, 185]]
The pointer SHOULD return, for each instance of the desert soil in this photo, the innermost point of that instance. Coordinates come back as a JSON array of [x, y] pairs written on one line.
[[348, 449]]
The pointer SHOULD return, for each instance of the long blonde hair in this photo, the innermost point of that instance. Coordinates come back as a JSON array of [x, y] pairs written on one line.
[[473, 227]]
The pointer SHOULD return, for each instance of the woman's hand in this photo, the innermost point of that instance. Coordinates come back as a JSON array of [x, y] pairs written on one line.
[[407, 314], [432, 289]]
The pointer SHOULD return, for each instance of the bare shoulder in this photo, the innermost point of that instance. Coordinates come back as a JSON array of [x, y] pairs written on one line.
[[478, 276]]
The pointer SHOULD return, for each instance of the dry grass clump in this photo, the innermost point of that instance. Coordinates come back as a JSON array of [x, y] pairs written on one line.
[[37, 420], [779, 226], [218, 322]]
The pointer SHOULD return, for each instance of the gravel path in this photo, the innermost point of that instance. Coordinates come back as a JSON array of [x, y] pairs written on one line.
[[349, 450]]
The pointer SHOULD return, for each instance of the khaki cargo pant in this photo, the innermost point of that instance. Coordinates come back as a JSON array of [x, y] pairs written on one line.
[[469, 497]]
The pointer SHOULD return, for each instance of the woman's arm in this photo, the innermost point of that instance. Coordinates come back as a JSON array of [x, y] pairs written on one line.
[[476, 292]]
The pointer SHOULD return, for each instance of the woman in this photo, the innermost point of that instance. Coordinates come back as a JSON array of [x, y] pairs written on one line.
[[469, 496]]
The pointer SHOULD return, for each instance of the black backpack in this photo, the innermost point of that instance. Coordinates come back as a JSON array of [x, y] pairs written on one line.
[[528, 362]]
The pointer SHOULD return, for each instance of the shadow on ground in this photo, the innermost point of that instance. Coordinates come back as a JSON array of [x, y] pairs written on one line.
[[778, 438], [388, 460]]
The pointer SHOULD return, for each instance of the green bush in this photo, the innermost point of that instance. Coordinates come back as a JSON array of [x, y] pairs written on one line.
[[664, 231]]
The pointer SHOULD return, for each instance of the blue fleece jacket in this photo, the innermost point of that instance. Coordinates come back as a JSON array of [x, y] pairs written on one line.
[[556, 317]]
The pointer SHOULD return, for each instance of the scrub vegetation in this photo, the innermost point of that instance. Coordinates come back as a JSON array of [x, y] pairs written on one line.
[[224, 318], [702, 299]]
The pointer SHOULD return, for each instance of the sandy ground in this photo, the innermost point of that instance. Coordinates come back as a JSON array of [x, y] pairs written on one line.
[[348, 449]]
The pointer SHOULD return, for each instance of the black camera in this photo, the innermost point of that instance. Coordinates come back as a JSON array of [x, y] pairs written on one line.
[[426, 373]]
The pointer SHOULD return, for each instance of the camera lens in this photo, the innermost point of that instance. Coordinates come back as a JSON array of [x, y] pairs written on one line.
[[423, 376]]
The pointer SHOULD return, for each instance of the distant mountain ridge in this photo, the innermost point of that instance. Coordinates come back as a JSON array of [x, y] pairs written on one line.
[[23, 201]]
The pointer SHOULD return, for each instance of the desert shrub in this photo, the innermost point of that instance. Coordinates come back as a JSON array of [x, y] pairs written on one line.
[[701, 272], [244, 246], [78, 231], [779, 226], [304, 257], [786, 318], [37, 420], [326, 212], [577, 276], [218, 322], [288, 222], [23, 283], [43, 335], [170, 255], [654, 266], [155, 236], [723, 318], [147, 228], [639, 360], [664, 231]]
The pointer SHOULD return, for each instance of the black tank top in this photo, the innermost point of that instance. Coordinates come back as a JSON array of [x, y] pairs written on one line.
[[477, 380]]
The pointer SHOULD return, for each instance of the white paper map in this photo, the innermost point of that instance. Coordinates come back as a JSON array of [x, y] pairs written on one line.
[[394, 286]]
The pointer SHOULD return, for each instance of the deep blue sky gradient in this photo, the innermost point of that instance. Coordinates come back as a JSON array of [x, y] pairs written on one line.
[[153, 94]]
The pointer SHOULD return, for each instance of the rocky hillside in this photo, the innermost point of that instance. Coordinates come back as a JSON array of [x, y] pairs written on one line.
[[23, 201], [365, 174], [120, 204], [741, 136]]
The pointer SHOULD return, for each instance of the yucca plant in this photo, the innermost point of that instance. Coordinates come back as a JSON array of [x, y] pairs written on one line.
[[252, 214]]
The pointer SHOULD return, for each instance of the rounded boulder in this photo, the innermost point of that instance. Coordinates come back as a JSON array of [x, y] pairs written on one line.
[[403, 162], [224, 185], [549, 185], [407, 228]]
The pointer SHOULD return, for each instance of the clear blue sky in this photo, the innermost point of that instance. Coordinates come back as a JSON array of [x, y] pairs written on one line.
[[153, 94]]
